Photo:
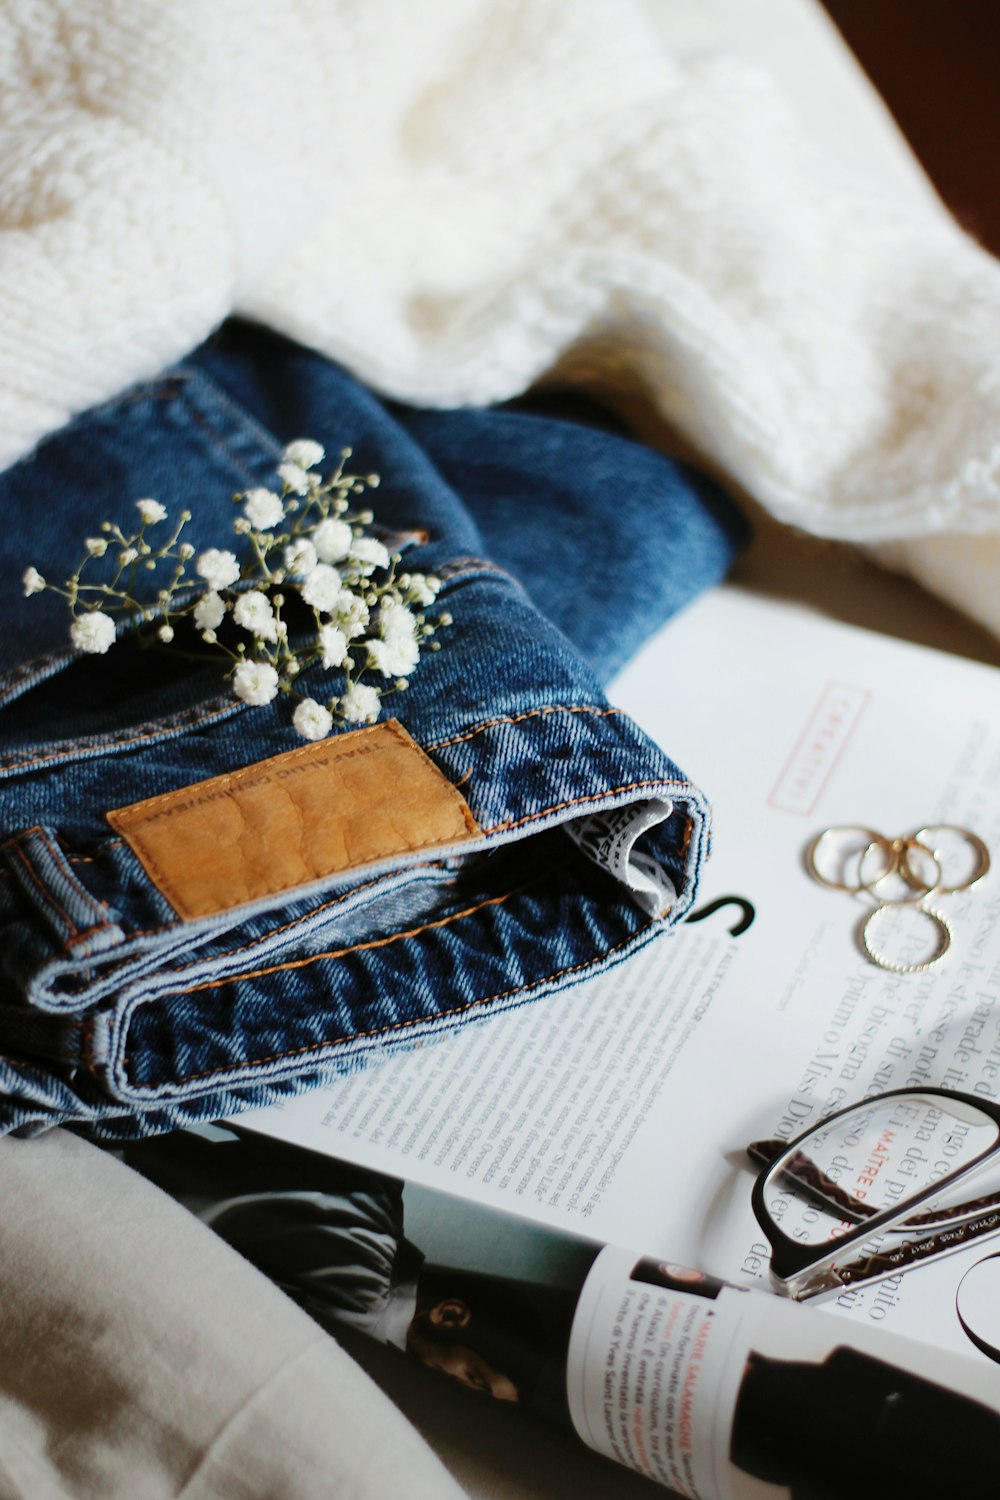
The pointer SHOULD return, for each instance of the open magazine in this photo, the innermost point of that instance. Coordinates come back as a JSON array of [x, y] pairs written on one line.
[[715, 1391], [620, 1110]]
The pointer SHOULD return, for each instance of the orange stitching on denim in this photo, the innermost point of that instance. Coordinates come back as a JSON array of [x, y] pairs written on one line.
[[168, 388], [470, 567], [87, 1047], [427, 864], [79, 937], [91, 859], [496, 828], [421, 1020], [217, 433], [59, 856], [475, 563], [531, 713], [274, 932], [16, 838], [313, 911], [29, 669], [188, 720], [46, 894], [88, 932], [167, 801], [155, 931], [630, 786], [383, 942]]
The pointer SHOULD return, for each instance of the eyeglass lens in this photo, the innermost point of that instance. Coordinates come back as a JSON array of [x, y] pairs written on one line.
[[880, 1156]]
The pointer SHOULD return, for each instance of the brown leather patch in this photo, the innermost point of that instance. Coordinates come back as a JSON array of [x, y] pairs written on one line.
[[341, 803]]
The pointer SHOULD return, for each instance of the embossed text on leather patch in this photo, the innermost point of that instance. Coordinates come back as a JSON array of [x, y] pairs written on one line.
[[351, 800]]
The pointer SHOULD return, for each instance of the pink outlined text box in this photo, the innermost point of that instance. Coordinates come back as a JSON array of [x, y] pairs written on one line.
[[819, 748]]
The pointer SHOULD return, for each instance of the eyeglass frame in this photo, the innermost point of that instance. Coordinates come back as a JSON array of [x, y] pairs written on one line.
[[798, 1271]]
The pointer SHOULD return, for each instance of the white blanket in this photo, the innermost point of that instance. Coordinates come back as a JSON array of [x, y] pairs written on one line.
[[461, 197]]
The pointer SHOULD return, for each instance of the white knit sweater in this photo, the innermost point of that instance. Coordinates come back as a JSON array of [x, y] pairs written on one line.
[[458, 197]]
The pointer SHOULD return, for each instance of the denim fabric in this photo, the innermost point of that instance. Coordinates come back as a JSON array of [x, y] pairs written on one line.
[[120, 1019], [608, 537]]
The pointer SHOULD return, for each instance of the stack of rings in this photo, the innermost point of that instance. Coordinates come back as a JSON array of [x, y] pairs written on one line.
[[911, 859]]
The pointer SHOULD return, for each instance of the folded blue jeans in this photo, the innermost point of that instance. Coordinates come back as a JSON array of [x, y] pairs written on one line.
[[560, 544]]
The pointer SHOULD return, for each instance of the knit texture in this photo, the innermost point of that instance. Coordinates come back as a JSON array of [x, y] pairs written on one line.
[[459, 198]]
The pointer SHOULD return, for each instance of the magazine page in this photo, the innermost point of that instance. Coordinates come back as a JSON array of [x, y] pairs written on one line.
[[622, 1108], [714, 1391], [721, 1393]]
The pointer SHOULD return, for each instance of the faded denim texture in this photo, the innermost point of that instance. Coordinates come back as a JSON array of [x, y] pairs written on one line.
[[561, 545]]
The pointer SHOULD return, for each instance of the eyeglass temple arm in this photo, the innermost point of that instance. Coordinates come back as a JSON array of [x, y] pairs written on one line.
[[910, 1252]]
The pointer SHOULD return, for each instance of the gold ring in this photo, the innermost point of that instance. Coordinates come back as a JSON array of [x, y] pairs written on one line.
[[900, 865], [944, 942], [873, 839], [980, 849]]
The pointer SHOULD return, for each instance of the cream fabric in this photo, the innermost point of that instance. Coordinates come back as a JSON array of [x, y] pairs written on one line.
[[141, 1358], [457, 198]]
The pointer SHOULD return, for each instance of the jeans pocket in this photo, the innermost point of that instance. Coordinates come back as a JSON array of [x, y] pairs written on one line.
[[409, 958]]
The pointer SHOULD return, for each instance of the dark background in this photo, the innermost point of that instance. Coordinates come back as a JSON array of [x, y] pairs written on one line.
[[936, 64]]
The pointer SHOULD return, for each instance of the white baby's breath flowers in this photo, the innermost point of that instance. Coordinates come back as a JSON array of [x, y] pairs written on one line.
[[322, 588], [93, 633], [369, 553], [219, 568], [282, 615], [396, 622], [294, 478], [255, 682], [351, 614], [333, 647], [253, 611], [263, 509], [394, 658], [396, 652], [301, 557], [305, 453], [311, 720], [421, 589], [210, 611], [332, 540], [360, 704]]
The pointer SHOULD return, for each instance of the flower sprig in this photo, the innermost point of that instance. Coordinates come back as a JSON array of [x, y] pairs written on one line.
[[304, 544]]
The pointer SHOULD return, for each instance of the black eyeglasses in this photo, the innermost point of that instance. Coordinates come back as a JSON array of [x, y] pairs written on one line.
[[837, 1204]]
